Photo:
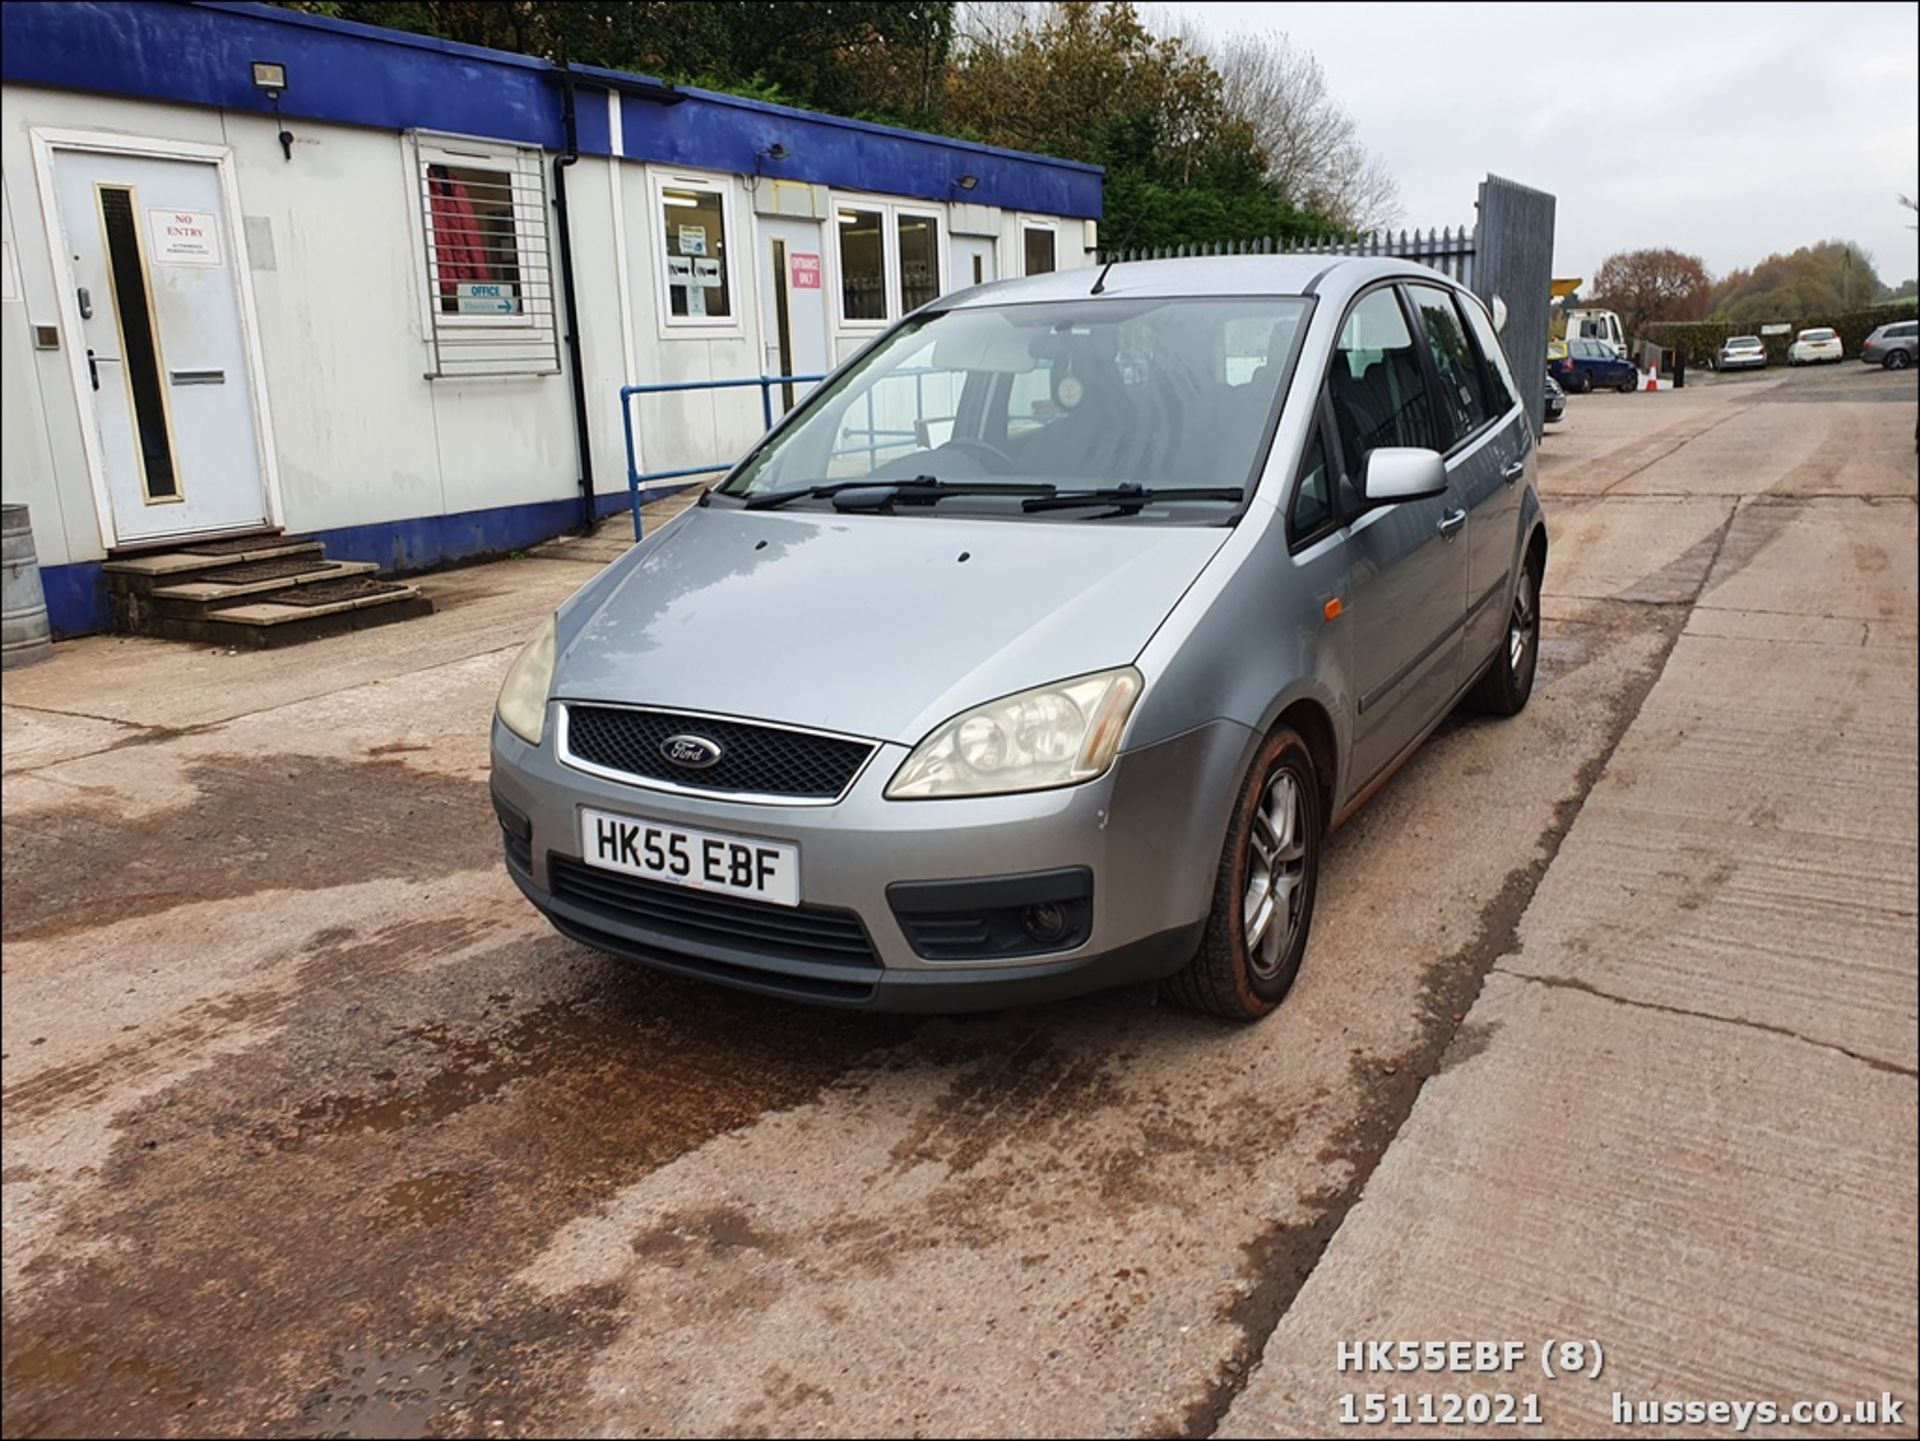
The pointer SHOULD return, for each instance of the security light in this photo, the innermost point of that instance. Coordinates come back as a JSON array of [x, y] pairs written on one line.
[[271, 77], [967, 182], [776, 151]]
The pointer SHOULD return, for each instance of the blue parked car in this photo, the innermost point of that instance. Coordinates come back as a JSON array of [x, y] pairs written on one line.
[[1591, 363]]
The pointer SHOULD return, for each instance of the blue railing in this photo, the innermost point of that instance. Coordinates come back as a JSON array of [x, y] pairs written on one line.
[[878, 438], [638, 480]]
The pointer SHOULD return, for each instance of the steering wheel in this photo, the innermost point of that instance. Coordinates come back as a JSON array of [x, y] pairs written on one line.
[[1000, 462]]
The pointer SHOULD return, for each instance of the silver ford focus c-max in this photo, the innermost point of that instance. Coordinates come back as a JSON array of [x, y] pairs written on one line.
[[1040, 648]]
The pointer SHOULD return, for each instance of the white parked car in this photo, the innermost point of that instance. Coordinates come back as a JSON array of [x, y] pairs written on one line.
[[1743, 352], [1810, 347]]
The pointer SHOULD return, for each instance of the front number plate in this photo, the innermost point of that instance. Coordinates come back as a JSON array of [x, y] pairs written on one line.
[[699, 860]]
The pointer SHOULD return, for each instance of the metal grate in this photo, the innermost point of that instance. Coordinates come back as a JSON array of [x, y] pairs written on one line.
[[257, 570], [795, 933], [240, 544], [754, 759], [490, 282], [331, 592]]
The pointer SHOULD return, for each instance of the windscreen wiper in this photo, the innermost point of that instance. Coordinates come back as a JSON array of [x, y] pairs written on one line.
[[1129, 498], [921, 488]]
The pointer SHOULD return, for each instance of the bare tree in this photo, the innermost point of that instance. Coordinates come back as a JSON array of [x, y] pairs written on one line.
[[1310, 143]]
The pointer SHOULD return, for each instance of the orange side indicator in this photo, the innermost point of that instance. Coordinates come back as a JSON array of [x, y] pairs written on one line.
[[1331, 610]]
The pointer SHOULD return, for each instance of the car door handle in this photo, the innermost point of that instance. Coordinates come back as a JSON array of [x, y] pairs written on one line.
[[1511, 473], [1451, 522]]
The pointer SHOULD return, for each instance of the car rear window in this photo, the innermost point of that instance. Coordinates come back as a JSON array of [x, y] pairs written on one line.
[[1817, 335]]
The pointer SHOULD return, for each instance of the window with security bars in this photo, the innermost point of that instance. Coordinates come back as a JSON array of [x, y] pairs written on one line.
[[490, 294]]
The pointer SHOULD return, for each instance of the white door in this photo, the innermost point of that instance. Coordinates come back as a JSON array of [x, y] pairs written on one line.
[[972, 261], [793, 305], [156, 283]]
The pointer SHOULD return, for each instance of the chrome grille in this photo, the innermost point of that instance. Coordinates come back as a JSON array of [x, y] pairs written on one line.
[[755, 760]]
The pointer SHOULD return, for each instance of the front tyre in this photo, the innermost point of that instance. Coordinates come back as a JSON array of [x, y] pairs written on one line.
[[1504, 689], [1263, 893]]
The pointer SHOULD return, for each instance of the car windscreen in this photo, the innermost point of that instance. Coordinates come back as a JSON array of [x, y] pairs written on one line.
[[1052, 397]]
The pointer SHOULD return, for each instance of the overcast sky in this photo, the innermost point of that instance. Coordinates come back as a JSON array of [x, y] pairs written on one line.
[[1726, 130]]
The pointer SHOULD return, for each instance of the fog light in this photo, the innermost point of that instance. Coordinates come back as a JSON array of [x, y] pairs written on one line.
[[1044, 922]]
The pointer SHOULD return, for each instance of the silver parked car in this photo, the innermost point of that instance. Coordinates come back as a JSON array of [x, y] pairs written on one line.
[[1041, 647], [1742, 352], [1892, 346]]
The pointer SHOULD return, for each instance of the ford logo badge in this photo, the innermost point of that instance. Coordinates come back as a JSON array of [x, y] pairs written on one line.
[[694, 753]]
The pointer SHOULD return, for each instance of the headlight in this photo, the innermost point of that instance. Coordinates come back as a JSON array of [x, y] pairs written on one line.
[[1054, 735], [523, 694]]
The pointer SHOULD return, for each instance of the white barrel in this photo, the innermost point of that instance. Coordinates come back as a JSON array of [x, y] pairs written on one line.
[[25, 636]]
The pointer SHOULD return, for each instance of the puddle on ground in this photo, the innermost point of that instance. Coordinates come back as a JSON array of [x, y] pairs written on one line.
[[435, 1199], [1560, 655], [388, 1394], [47, 1363], [472, 1070], [274, 822]]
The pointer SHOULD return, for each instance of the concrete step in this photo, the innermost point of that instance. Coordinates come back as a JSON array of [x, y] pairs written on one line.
[[266, 623], [197, 598], [261, 590], [145, 572]]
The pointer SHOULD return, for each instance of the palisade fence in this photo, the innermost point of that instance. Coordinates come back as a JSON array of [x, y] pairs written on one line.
[[1507, 253], [1448, 251]]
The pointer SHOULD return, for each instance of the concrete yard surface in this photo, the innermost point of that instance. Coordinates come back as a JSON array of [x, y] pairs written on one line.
[[1606, 1031], [1681, 1118]]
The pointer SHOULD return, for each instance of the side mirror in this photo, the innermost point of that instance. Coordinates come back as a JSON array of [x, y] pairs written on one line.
[[1395, 473]]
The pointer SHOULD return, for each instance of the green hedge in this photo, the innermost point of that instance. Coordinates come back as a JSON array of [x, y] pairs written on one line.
[[1702, 339]]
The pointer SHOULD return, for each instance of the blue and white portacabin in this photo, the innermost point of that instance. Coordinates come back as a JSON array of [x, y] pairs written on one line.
[[265, 268]]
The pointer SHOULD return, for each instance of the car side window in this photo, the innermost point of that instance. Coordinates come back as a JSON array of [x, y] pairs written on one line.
[[1378, 387], [1313, 497], [1498, 374], [1460, 407]]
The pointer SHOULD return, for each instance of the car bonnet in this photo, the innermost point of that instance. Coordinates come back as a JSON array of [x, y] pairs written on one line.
[[870, 625]]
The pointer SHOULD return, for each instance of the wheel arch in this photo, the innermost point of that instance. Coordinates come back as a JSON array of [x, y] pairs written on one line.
[[1315, 726]]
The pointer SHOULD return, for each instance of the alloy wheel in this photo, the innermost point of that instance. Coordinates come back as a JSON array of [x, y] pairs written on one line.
[[1276, 874], [1521, 626]]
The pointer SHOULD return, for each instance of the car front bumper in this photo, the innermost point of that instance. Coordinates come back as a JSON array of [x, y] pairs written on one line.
[[1148, 834]]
